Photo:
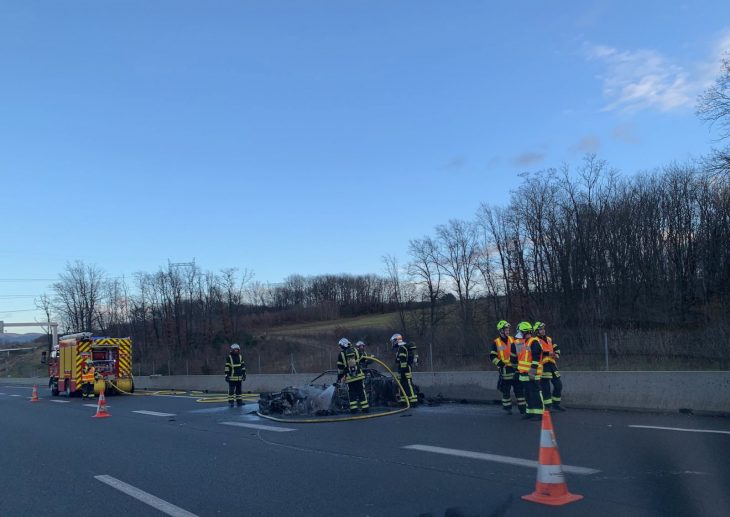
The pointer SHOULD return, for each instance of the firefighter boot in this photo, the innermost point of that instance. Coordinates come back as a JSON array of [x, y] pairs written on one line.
[[240, 403]]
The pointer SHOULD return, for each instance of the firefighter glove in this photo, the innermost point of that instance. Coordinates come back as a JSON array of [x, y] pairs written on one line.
[[243, 376], [228, 378]]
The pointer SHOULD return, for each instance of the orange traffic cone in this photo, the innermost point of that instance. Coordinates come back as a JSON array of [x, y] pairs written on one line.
[[550, 487], [34, 396], [101, 407]]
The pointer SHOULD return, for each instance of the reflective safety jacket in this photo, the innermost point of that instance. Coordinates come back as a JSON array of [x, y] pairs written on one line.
[[235, 367], [501, 353], [551, 351], [88, 374], [530, 358], [348, 365], [518, 344]]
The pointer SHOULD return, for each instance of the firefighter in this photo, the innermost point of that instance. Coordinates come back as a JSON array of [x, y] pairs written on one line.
[[529, 367], [235, 375], [550, 373], [501, 353], [350, 371], [365, 359], [405, 356], [88, 377]]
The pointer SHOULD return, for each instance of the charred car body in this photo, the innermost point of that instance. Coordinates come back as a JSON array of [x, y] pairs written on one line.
[[322, 398]]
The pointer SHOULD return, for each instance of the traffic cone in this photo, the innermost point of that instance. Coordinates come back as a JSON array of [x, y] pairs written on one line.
[[34, 396], [550, 487], [101, 407]]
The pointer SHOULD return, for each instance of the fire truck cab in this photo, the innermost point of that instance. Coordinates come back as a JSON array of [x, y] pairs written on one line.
[[112, 358]]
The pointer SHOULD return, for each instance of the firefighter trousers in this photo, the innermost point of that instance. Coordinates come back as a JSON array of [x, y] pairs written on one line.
[[509, 384], [406, 380], [551, 394], [87, 390], [356, 394], [533, 396], [235, 387]]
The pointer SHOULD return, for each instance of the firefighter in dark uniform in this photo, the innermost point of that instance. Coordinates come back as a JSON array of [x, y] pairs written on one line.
[[365, 359], [551, 395], [405, 356], [235, 375], [529, 368], [349, 370], [501, 354], [88, 378]]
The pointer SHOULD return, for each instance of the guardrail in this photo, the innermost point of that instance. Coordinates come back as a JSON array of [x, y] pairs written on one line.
[[695, 391]]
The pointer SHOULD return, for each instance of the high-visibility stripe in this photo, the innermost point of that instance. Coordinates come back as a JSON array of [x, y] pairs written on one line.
[[547, 438], [550, 474]]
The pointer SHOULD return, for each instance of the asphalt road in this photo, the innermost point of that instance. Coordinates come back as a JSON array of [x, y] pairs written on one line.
[[182, 457]]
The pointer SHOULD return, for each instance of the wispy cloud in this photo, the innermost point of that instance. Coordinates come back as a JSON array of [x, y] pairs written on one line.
[[646, 79], [625, 133], [587, 144], [455, 164], [528, 158]]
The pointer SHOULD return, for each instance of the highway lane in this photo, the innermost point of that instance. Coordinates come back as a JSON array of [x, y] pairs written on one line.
[[188, 455]]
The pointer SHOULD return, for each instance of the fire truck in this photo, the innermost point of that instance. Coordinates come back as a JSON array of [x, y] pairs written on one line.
[[111, 356]]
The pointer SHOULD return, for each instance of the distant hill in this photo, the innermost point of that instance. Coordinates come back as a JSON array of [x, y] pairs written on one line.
[[8, 338]]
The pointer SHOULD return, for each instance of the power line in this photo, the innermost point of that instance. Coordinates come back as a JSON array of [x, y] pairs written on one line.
[[28, 279]]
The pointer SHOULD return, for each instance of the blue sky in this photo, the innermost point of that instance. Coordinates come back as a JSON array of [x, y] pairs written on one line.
[[316, 136]]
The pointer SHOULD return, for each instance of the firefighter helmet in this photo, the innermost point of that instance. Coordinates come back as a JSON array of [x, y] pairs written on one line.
[[395, 339], [360, 344], [538, 325], [525, 326], [235, 346], [502, 324], [344, 343]]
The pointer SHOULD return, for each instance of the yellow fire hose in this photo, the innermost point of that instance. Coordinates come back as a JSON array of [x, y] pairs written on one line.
[[348, 418]]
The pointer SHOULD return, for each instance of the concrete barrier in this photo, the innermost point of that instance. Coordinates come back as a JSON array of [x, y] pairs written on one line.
[[697, 392]]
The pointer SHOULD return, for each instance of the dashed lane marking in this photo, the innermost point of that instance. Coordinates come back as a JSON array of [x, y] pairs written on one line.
[[496, 458], [680, 429], [60, 401], [12, 395], [95, 405], [153, 413], [145, 497], [261, 427]]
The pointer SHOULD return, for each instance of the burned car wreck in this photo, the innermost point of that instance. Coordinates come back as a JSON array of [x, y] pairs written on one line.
[[322, 398]]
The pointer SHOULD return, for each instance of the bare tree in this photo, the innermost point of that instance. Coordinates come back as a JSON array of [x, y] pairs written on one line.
[[714, 107], [78, 295]]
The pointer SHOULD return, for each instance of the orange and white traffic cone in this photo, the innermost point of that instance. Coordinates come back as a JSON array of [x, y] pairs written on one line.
[[550, 487], [34, 396], [101, 407]]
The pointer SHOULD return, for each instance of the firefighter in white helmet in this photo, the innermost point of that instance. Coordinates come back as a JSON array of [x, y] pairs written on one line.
[[349, 370], [405, 356], [235, 375]]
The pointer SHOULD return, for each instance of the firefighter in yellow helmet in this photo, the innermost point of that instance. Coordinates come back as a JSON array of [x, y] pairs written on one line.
[[350, 371], [88, 377], [529, 368], [501, 354], [235, 375], [551, 395]]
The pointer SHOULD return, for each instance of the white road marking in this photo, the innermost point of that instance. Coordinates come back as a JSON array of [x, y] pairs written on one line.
[[261, 427], [14, 395], [61, 401], [153, 413], [146, 498], [496, 458], [680, 429], [96, 405]]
